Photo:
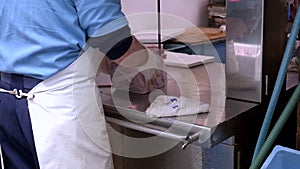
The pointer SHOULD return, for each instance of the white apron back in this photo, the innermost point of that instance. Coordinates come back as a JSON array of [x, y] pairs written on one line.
[[67, 118]]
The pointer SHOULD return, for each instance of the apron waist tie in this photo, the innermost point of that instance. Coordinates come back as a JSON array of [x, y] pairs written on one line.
[[18, 93], [28, 83]]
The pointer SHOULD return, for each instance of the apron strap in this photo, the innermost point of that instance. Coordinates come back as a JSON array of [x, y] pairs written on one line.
[[1, 159]]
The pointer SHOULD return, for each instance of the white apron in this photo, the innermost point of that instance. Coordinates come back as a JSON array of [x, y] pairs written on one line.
[[67, 118]]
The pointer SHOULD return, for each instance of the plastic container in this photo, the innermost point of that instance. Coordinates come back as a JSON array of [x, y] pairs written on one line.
[[282, 158]]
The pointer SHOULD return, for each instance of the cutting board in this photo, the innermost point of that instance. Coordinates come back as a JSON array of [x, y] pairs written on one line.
[[186, 60], [150, 35]]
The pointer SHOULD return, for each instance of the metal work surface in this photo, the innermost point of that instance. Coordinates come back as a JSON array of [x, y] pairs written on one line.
[[203, 82]]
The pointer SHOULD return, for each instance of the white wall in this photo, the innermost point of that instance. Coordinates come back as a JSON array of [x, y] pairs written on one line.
[[194, 11]]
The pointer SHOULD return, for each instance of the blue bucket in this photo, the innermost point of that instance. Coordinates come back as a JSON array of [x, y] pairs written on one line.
[[282, 158]]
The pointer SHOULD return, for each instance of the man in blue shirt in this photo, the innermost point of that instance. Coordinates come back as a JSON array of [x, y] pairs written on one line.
[[41, 43]]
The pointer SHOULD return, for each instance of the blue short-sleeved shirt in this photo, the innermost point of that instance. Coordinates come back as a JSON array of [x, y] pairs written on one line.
[[38, 38]]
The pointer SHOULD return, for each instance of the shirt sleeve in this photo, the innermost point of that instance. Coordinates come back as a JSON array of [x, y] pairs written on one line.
[[113, 44], [100, 17]]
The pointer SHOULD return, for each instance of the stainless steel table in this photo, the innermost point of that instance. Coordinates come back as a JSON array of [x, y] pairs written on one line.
[[206, 82]]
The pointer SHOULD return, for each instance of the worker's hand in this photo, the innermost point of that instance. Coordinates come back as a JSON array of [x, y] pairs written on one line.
[[140, 72]]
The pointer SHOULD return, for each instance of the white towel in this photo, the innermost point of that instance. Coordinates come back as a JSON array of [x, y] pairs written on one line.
[[167, 106]]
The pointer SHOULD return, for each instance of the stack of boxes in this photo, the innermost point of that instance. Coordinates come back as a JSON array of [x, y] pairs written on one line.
[[216, 13]]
